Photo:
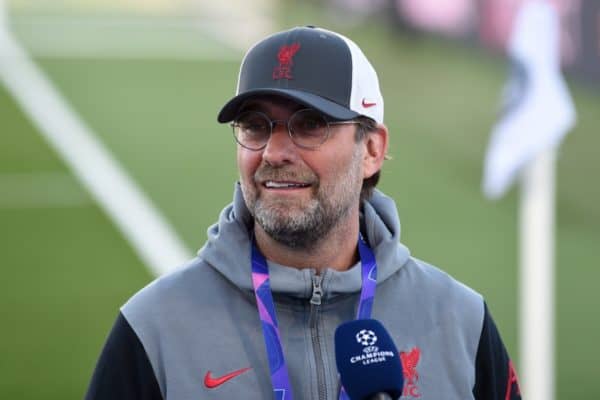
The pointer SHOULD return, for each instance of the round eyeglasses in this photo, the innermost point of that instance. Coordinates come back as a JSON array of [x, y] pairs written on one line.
[[307, 128]]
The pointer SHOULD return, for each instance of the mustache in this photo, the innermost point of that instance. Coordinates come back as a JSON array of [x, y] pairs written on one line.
[[270, 173]]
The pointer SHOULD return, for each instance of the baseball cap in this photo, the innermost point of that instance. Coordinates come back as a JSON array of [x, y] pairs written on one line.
[[318, 68]]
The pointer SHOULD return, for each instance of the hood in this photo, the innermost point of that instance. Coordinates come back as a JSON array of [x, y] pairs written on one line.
[[228, 250]]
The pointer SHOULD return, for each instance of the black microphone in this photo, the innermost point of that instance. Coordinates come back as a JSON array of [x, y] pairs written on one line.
[[380, 396], [368, 361]]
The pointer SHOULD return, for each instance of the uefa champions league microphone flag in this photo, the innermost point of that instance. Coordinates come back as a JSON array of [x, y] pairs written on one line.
[[538, 110]]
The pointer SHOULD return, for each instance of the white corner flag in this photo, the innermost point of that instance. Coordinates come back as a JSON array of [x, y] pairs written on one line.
[[537, 115], [538, 110]]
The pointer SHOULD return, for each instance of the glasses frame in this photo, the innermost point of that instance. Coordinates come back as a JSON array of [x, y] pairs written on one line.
[[286, 122]]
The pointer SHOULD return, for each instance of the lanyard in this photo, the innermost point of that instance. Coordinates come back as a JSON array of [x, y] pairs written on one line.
[[280, 379]]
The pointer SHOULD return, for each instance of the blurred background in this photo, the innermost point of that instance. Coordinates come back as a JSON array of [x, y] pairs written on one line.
[[147, 77]]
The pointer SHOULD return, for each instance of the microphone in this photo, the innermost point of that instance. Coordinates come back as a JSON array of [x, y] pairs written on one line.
[[368, 361]]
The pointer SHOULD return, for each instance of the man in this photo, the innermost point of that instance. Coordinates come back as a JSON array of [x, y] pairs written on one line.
[[253, 316]]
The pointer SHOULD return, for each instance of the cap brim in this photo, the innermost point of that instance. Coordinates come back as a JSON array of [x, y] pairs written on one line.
[[327, 107]]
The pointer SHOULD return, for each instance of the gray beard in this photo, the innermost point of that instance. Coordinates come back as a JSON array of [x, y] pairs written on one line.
[[303, 227], [301, 231]]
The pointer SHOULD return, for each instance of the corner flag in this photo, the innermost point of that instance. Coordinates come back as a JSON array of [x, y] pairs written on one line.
[[538, 111]]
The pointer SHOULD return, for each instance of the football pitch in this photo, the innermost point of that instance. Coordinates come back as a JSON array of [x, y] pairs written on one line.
[[67, 269]]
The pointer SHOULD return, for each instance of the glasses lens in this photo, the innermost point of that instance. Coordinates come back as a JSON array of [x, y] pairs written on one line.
[[252, 130], [308, 128]]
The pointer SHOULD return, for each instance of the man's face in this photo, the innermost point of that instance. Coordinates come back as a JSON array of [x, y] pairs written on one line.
[[298, 195]]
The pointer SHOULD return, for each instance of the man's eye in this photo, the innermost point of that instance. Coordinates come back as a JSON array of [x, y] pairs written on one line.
[[253, 127], [310, 126]]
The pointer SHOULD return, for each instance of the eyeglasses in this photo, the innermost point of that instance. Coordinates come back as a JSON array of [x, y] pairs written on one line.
[[307, 128]]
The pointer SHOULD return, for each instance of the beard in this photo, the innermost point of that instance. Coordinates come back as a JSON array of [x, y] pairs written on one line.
[[302, 224]]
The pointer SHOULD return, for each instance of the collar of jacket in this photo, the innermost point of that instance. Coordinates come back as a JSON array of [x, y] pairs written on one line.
[[228, 251]]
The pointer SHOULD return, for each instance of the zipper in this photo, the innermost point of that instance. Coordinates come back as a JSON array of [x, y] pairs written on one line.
[[317, 292], [315, 304]]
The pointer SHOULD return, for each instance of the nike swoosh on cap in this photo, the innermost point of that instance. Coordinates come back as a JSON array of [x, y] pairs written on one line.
[[366, 104], [213, 382]]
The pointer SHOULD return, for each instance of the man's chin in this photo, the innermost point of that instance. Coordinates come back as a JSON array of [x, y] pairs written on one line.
[[285, 206], [280, 216], [289, 233]]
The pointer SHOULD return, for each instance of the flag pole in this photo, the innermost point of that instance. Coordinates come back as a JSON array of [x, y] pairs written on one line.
[[537, 231], [538, 114]]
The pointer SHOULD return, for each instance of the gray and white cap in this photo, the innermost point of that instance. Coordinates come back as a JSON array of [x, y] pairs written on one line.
[[315, 67]]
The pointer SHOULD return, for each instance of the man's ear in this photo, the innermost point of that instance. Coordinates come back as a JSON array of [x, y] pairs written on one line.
[[376, 146]]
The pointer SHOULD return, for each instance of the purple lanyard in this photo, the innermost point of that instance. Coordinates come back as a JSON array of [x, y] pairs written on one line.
[[282, 389]]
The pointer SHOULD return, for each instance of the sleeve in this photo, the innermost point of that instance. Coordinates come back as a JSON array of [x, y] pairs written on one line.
[[123, 370], [495, 375]]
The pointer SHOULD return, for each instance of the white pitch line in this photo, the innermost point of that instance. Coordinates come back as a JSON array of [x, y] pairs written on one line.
[[257, 22], [141, 223], [122, 38], [233, 25]]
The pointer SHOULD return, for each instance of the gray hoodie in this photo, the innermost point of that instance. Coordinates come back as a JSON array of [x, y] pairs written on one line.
[[179, 335]]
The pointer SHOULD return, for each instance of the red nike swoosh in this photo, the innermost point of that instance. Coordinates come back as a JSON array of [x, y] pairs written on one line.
[[367, 105], [212, 383]]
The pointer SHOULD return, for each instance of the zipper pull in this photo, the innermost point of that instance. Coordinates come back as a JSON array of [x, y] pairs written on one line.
[[317, 291]]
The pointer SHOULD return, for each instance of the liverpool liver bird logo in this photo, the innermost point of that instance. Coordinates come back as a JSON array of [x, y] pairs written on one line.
[[411, 375], [285, 55]]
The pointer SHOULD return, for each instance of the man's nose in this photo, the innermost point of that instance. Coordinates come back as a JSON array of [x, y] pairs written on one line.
[[280, 148]]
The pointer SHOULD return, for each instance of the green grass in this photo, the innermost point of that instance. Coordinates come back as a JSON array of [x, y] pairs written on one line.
[[67, 269], [159, 119], [65, 273]]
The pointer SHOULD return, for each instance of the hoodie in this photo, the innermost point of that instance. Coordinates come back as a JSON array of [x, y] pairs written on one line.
[[196, 333]]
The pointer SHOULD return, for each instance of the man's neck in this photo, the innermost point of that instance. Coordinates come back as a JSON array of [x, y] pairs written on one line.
[[338, 250]]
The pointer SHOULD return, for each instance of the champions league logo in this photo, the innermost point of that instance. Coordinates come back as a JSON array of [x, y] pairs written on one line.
[[368, 339], [371, 353]]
